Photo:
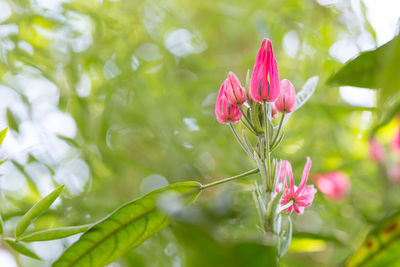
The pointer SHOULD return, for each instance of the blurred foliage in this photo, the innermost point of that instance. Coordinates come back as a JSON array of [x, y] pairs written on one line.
[[139, 81]]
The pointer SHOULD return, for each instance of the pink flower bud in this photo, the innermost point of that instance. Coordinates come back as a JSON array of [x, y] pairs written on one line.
[[264, 83], [376, 151], [226, 112], [274, 112], [286, 100], [334, 185], [394, 173], [236, 93]]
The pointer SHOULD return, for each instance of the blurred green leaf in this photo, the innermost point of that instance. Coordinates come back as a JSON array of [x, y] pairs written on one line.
[[12, 121], [377, 248], [3, 135], [21, 248], [126, 228], [37, 209], [202, 249], [52, 234], [376, 69]]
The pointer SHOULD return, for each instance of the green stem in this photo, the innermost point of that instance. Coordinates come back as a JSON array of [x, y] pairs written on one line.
[[240, 141], [279, 130], [247, 119], [267, 146], [222, 181]]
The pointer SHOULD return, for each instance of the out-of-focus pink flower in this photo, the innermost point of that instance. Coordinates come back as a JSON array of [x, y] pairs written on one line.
[[394, 173], [274, 112], [376, 151], [236, 93], [334, 185], [264, 84], [226, 112], [285, 102], [295, 198]]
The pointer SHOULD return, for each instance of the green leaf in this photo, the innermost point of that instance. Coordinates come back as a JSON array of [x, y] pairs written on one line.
[[36, 210], [376, 69], [21, 248], [56, 233], [126, 228], [381, 246], [3, 135], [12, 121], [1, 226], [272, 208]]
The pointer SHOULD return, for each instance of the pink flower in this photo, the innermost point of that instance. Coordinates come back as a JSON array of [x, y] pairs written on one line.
[[236, 93], [264, 84], [226, 112], [334, 185], [376, 151], [394, 173], [285, 102], [295, 198]]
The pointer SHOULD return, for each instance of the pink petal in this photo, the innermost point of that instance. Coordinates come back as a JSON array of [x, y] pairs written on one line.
[[306, 171]]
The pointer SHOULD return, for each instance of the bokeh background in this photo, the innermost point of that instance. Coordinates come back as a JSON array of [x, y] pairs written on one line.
[[116, 98]]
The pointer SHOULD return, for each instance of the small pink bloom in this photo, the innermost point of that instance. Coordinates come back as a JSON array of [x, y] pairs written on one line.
[[226, 112], [334, 185], [236, 93], [296, 197], [274, 112], [394, 173], [285, 102], [376, 151], [264, 84]]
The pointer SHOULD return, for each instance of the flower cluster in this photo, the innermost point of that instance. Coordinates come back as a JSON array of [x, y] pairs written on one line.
[[267, 97], [264, 88]]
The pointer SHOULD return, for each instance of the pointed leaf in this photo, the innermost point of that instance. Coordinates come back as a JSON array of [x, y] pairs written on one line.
[[22, 249], [56, 233], [37, 209], [3, 135], [126, 228], [303, 96], [272, 208]]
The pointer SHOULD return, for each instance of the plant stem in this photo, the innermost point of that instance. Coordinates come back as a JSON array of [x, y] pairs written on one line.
[[279, 130], [222, 181], [267, 146], [247, 119], [240, 141]]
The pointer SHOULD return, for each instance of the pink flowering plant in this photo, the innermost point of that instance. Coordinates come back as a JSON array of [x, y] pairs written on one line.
[[263, 111]]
